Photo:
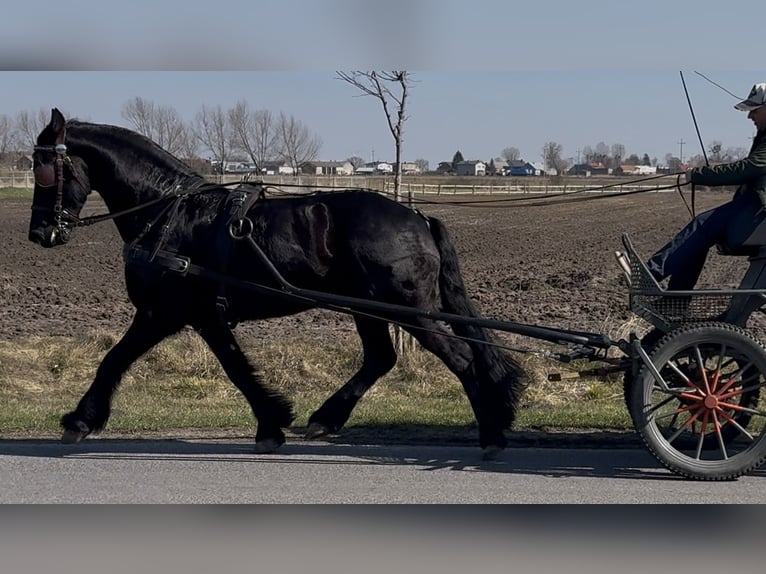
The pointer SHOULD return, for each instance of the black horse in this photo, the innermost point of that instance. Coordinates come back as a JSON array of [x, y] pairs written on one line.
[[184, 267]]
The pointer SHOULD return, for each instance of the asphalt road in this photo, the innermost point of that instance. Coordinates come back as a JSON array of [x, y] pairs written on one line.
[[226, 471]]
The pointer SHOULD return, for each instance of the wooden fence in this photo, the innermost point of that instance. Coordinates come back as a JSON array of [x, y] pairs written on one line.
[[416, 185]]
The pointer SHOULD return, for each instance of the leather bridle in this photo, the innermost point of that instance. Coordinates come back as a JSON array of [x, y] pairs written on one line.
[[52, 175]]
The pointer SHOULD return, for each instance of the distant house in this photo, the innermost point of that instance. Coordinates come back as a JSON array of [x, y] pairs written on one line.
[[238, 166], [471, 167], [410, 167], [276, 168], [638, 169], [445, 168], [365, 170], [519, 167], [329, 168], [499, 164], [375, 167], [588, 169]]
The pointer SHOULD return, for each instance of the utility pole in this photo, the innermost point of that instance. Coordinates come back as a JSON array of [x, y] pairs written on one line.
[[681, 143]]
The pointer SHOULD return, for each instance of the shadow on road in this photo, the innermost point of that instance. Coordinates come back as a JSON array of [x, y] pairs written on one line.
[[598, 459]]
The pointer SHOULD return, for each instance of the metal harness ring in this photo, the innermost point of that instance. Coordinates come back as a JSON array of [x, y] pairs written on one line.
[[241, 228]]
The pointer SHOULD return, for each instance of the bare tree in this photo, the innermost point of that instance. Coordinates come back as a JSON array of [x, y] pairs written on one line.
[[188, 148], [161, 124], [356, 161], [390, 88], [511, 154], [734, 154], [212, 129], [618, 153], [552, 156], [422, 165], [29, 125], [296, 144], [254, 133], [7, 135]]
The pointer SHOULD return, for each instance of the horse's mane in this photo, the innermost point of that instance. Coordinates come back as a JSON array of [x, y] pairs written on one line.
[[159, 168], [108, 134]]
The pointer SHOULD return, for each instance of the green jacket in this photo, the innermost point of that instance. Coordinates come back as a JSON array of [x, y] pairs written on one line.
[[749, 173]]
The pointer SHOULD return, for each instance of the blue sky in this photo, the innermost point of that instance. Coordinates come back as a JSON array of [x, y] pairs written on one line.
[[489, 74]]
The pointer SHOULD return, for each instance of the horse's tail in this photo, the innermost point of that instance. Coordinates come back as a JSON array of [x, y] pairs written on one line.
[[501, 378]]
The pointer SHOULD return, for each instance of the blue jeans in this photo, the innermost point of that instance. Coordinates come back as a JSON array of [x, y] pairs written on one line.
[[683, 257]]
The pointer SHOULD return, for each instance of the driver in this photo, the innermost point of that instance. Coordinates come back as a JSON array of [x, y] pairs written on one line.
[[683, 257]]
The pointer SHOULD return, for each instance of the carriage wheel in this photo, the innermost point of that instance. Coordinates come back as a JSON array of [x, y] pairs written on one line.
[[748, 399], [705, 419]]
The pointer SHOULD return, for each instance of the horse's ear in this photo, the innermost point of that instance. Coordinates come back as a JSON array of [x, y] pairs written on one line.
[[57, 124]]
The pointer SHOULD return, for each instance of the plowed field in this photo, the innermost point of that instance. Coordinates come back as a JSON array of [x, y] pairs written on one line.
[[550, 265]]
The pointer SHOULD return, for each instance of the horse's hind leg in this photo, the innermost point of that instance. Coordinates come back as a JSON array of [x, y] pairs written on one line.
[[272, 411], [459, 358], [379, 357], [93, 410]]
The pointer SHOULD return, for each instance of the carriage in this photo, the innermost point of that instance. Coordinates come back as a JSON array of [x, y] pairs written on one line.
[[203, 255]]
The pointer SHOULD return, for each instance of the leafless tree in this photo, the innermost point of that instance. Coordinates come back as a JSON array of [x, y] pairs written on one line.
[[734, 154], [356, 161], [254, 133], [296, 144], [213, 130], [391, 88], [716, 151], [162, 124], [29, 125], [511, 154], [7, 135], [618, 153], [422, 165], [552, 156]]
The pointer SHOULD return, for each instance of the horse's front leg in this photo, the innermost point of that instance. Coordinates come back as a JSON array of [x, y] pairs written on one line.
[[272, 410], [94, 408]]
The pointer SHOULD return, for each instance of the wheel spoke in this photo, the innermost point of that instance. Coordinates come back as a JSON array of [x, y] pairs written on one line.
[[718, 368], [719, 436], [701, 439], [663, 402], [680, 373], [732, 421], [684, 427], [701, 365]]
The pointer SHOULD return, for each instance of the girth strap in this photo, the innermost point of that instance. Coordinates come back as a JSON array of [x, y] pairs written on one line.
[[228, 225], [237, 205]]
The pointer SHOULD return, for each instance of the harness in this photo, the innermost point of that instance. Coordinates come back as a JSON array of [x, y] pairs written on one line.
[[231, 225]]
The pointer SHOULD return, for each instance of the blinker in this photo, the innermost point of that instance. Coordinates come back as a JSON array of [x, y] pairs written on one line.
[[45, 175]]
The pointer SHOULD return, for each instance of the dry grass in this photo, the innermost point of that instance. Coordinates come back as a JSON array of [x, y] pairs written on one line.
[[179, 384]]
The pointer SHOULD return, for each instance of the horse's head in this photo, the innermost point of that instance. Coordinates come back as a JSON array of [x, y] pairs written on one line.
[[61, 186]]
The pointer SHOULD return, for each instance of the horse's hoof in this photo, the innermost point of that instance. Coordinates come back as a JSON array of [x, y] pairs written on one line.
[[315, 430], [491, 452], [72, 437], [267, 446]]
